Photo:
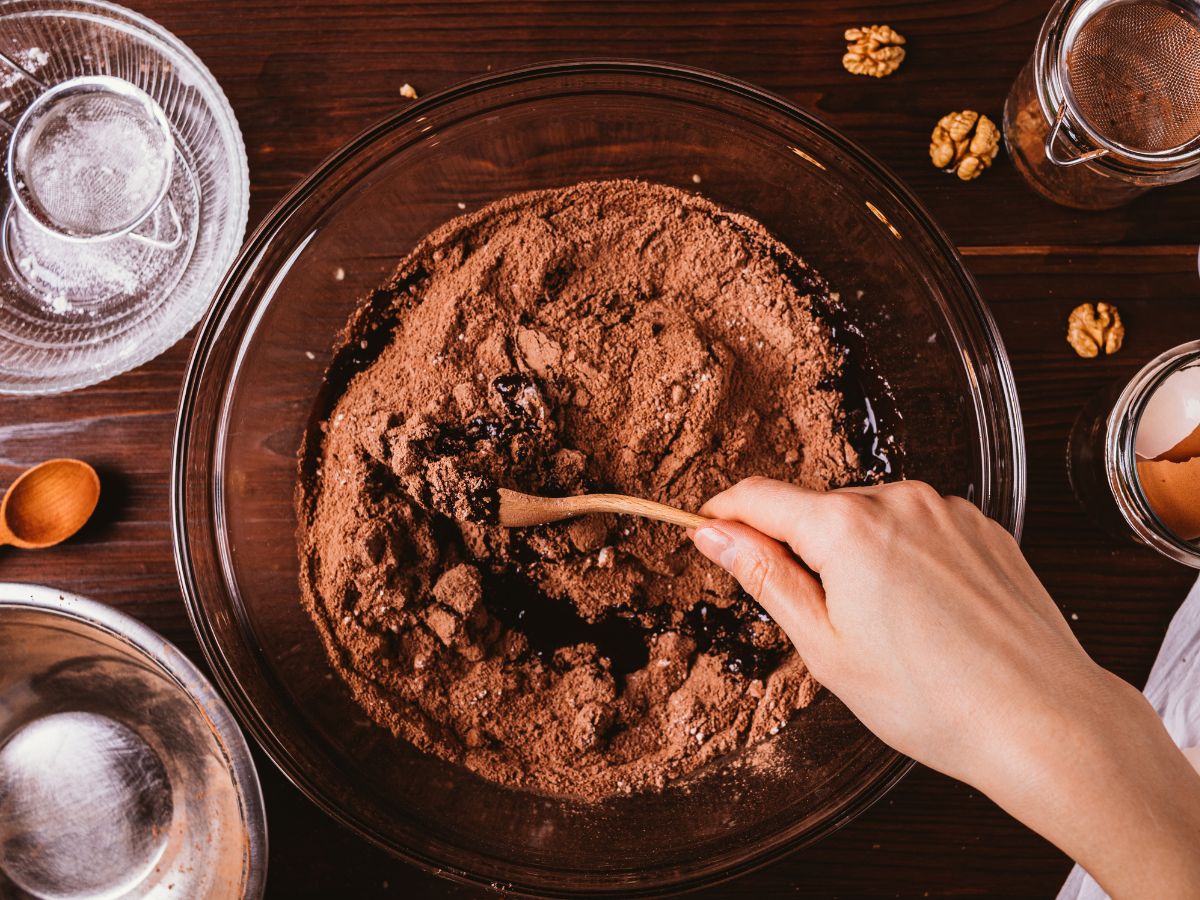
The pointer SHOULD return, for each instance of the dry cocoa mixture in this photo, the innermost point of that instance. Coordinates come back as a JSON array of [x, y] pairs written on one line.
[[615, 336]]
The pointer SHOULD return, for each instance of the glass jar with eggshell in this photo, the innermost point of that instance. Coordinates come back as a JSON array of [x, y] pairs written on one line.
[[1134, 455]]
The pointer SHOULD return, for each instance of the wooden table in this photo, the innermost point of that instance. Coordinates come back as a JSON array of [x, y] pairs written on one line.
[[303, 77]]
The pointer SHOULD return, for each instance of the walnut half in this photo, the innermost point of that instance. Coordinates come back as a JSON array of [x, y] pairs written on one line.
[[964, 143], [874, 50], [1095, 329]]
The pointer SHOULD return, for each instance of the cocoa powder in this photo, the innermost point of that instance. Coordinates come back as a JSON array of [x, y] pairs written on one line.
[[609, 336]]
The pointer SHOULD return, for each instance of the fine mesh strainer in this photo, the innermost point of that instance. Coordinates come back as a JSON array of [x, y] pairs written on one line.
[[89, 158], [1112, 92], [1132, 73]]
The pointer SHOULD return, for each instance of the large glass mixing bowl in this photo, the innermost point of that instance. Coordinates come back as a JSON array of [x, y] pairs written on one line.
[[257, 370]]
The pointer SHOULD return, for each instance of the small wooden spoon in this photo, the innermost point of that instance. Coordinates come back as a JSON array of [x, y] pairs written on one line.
[[518, 510], [48, 503]]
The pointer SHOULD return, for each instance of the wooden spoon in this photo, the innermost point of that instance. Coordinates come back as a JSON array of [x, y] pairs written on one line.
[[517, 509], [48, 503]]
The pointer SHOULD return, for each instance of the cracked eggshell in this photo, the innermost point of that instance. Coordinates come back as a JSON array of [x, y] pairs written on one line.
[[1171, 418]]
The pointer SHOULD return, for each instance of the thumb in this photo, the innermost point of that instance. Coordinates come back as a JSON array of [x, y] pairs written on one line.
[[769, 573]]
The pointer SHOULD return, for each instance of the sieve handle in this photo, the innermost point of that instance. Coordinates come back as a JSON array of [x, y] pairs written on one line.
[[160, 244], [1052, 139], [22, 71]]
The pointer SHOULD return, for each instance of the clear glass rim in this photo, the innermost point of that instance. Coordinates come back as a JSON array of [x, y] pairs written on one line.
[[1120, 457], [1004, 447]]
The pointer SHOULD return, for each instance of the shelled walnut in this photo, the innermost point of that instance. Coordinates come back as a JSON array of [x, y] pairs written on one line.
[[1093, 329], [874, 50], [964, 143]]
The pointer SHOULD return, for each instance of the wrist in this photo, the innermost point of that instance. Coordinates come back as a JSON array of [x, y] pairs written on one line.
[[1099, 776], [1035, 739], [1069, 741]]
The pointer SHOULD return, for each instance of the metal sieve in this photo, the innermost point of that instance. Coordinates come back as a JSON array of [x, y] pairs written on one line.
[[1113, 88], [1132, 75], [90, 158]]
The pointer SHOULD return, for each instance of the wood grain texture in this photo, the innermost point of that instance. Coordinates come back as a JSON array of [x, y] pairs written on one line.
[[303, 77]]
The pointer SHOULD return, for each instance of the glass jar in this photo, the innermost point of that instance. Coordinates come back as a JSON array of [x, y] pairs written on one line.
[[1107, 107], [1102, 462]]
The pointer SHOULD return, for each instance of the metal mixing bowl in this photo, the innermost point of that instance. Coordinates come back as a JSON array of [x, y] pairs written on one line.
[[122, 773], [258, 371]]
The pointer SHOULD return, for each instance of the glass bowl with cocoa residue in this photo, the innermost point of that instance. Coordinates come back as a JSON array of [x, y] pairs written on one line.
[[925, 358]]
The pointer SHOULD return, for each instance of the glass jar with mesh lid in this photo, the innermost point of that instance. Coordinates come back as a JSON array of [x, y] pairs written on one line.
[[1108, 106]]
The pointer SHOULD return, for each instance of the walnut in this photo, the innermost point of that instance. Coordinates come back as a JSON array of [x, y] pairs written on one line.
[[874, 50], [964, 143], [1095, 329]]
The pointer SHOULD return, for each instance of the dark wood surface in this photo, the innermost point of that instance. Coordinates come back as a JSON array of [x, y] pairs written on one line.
[[303, 77]]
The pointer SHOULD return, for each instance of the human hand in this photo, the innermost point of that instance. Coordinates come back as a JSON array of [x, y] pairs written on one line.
[[922, 615], [925, 620]]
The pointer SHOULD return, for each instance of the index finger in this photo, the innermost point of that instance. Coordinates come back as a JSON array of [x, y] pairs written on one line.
[[795, 515]]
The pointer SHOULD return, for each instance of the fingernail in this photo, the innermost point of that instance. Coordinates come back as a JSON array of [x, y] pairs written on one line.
[[716, 545]]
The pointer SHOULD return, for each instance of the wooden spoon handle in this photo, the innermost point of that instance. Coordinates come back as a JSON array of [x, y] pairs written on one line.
[[517, 509], [636, 506]]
